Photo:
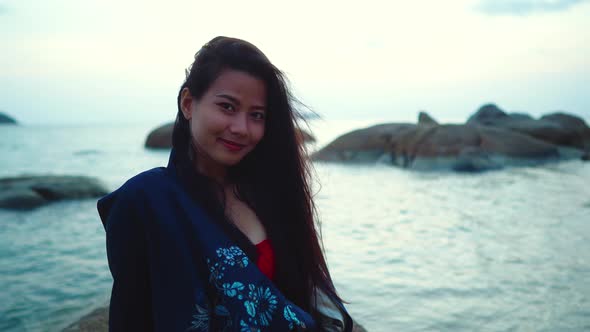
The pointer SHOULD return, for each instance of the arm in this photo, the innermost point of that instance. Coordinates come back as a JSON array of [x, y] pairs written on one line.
[[130, 308]]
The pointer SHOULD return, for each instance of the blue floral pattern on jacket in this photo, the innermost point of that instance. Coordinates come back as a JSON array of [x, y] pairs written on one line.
[[246, 305]]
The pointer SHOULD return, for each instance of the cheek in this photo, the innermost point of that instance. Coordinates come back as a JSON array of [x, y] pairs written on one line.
[[204, 126], [258, 133]]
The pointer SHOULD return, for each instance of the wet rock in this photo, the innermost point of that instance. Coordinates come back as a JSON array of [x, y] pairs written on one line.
[[29, 192]]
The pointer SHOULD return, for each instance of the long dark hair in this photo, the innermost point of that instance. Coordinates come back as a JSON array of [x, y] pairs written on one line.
[[273, 179]]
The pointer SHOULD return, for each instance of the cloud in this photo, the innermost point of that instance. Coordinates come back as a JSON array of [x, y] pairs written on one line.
[[524, 7]]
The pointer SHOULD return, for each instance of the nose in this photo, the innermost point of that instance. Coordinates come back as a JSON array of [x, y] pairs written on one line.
[[239, 125]]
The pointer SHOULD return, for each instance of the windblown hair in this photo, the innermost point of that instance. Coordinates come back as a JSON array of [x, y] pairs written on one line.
[[273, 179]]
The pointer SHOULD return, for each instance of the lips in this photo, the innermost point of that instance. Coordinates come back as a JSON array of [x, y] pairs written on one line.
[[231, 145]]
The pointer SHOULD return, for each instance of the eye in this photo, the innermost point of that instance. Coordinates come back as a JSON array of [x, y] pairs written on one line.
[[227, 106], [258, 115]]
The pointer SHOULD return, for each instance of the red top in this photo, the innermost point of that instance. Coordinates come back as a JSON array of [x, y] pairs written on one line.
[[266, 258]]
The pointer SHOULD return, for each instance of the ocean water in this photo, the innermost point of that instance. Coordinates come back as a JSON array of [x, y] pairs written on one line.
[[410, 251]]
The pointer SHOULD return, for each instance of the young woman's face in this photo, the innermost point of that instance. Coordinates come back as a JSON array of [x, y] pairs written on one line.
[[228, 121]]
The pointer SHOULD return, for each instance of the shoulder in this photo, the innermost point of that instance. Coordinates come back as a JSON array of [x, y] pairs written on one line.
[[146, 182], [136, 191]]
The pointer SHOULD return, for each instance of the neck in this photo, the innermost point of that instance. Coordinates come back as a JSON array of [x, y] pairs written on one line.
[[210, 168], [205, 167]]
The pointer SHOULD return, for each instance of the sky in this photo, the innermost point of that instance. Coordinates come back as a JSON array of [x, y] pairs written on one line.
[[107, 61]]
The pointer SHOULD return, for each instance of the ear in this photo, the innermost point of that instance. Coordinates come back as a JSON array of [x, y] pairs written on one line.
[[186, 101]]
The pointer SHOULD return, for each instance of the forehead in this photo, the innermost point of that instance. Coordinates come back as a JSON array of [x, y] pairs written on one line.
[[240, 85]]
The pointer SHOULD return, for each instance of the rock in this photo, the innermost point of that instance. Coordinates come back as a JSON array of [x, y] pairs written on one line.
[[556, 128], [98, 321], [468, 148], [161, 137], [29, 192], [576, 129], [457, 147], [488, 114], [363, 145], [566, 121], [586, 157], [5, 119], [425, 119], [520, 116]]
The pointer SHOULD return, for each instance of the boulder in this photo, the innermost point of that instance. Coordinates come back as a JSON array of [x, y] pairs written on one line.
[[98, 321], [556, 128], [488, 114], [364, 145], [456, 147], [425, 119], [29, 192], [520, 116], [5, 119], [578, 132], [161, 137]]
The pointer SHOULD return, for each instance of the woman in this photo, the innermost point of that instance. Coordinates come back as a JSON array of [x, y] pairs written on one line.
[[224, 237]]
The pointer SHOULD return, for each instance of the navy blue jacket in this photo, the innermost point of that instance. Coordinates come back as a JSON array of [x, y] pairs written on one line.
[[169, 260]]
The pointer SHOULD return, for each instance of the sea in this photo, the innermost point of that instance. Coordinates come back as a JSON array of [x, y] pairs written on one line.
[[505, 250]]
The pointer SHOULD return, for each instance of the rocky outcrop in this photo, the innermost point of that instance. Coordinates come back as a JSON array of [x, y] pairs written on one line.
[[490, 139], [98, 321], [5, 119], [29, 192], [161, 137], [364, 145], [556, 128], [457, 147], [425, 119]]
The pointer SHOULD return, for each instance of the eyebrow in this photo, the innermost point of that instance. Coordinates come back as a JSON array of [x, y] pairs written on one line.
[[236, 101]]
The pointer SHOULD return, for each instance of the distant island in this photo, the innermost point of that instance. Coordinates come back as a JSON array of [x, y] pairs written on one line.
[[490, 139], [5, 119]]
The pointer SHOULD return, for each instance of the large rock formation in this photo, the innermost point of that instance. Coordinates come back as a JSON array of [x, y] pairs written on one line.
[[557, 128], [490, 139], [161, 137], [29, 192], [5, 119]]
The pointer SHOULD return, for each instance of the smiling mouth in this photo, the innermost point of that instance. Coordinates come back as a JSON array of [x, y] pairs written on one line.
[[232, 146]]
